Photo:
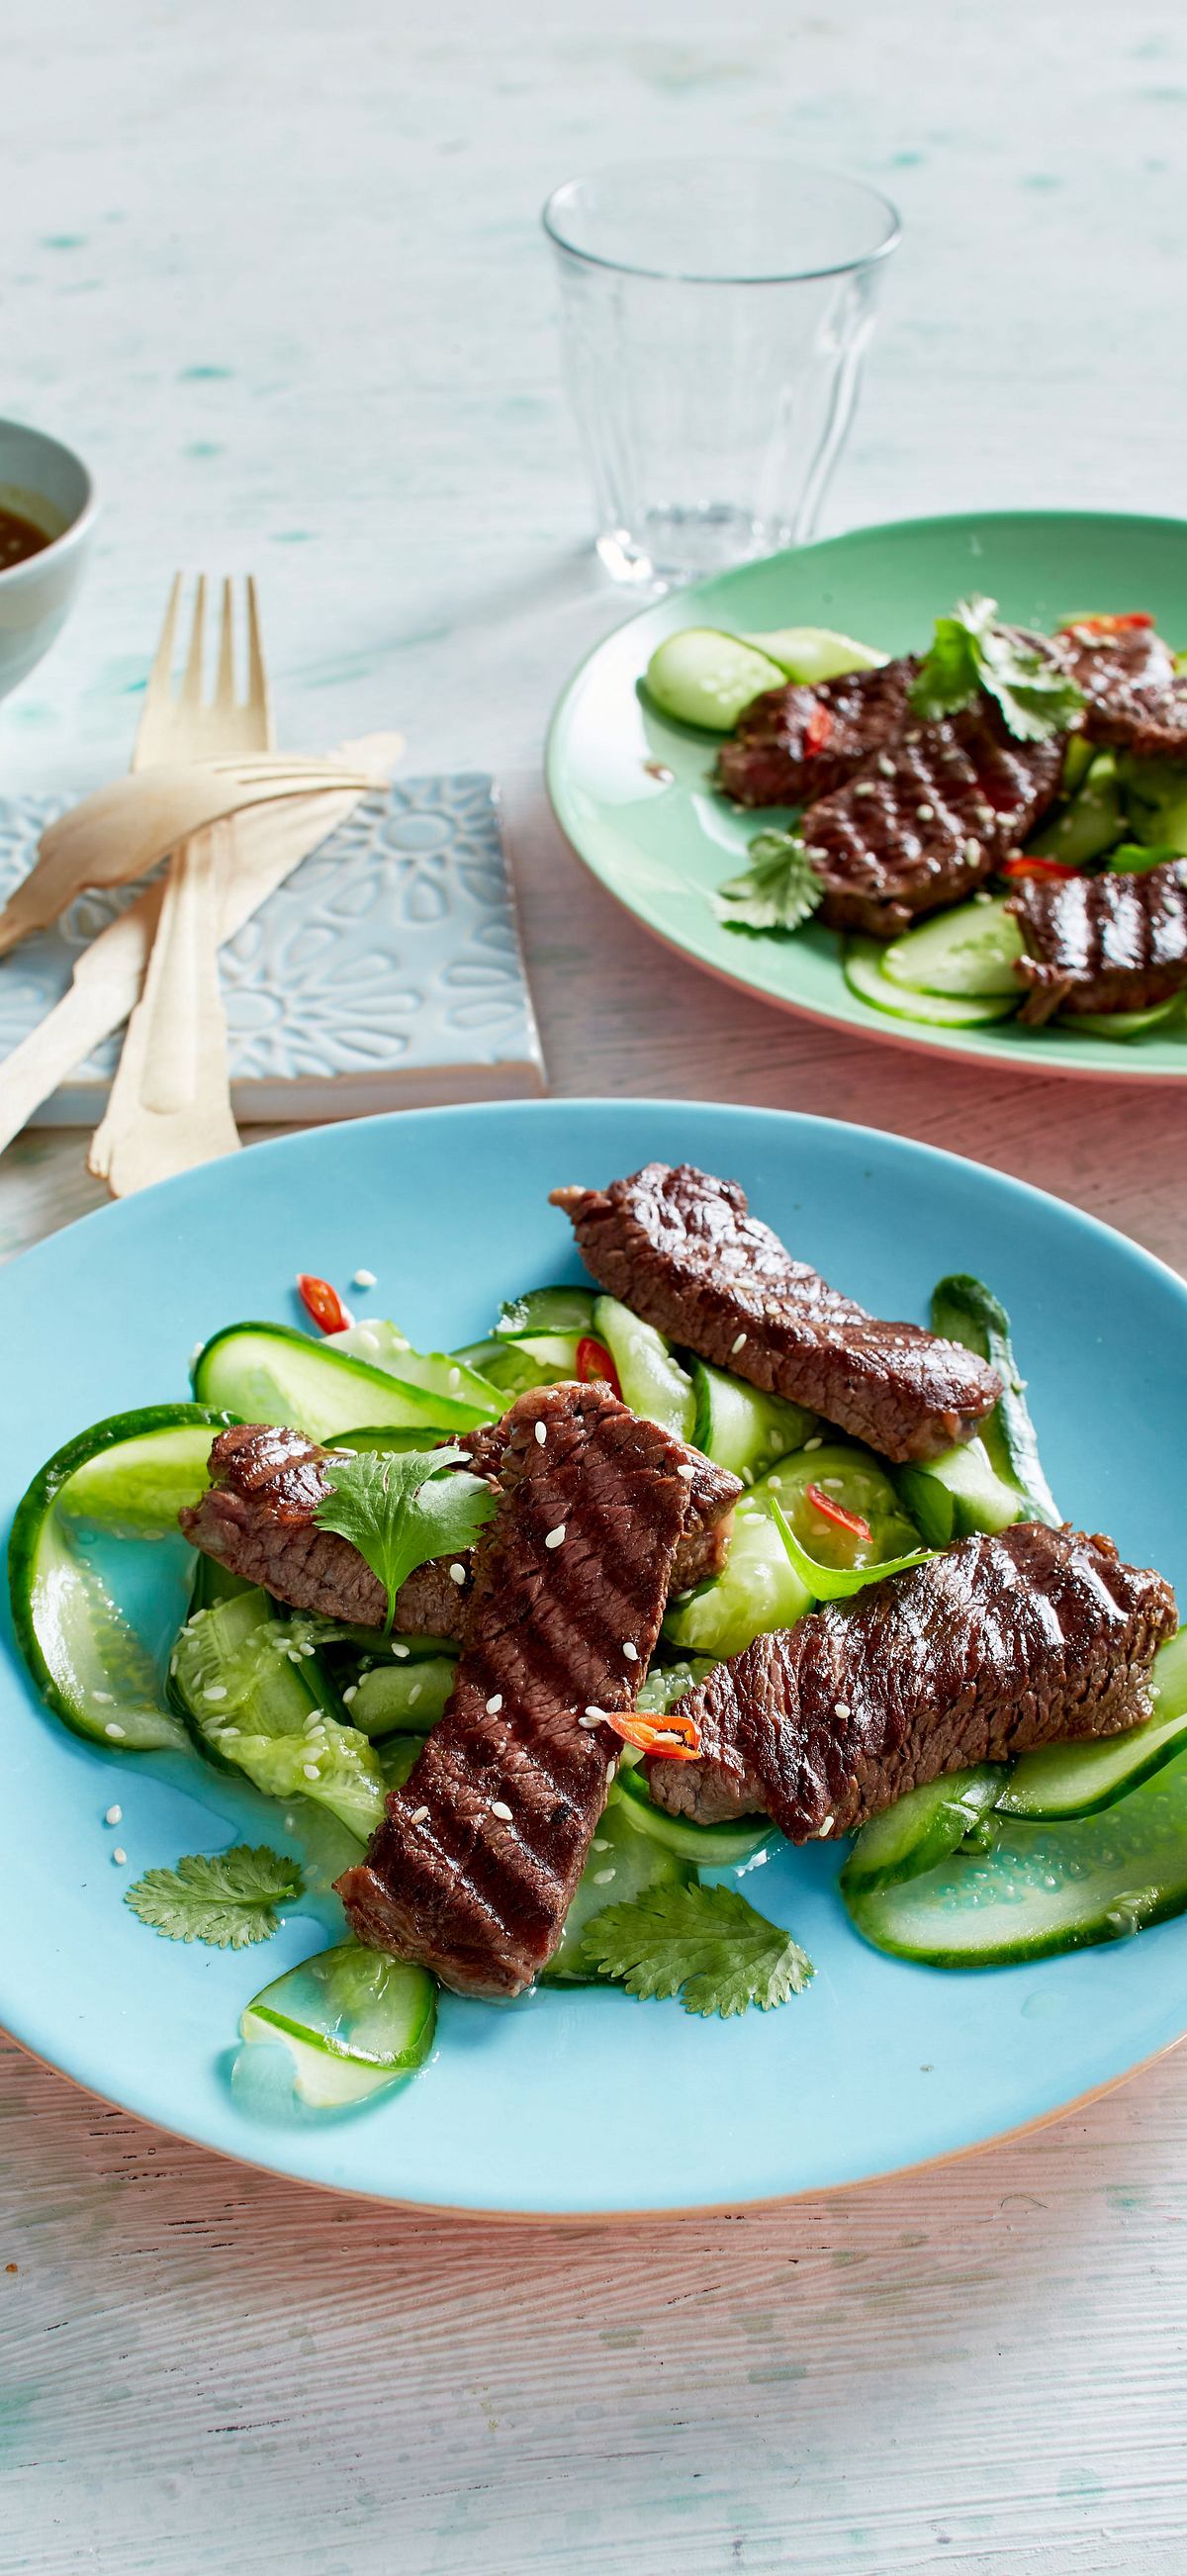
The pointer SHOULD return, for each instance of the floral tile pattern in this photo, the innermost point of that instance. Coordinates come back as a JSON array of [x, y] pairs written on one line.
[[389, 956]]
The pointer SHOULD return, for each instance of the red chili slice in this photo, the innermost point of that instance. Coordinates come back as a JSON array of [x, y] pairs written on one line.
[[822, 1502], [1037, 867], [671, 1739], [1119, 624], [817, 730], [594, 1363], [323, 1303]]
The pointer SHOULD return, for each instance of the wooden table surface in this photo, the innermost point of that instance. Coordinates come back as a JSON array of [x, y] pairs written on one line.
[[983, 2363], [277, 271]]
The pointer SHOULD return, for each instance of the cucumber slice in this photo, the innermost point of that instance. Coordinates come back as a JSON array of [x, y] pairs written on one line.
[[546, 1310], [853, 1478], [1119, 1024], [815, 653], [922, 1829], [352, 2019], [964, 1310], [707, 1846], [958, 1493], [974, 949], [1090, 824], [652, 1381], [758, 1588], [703, 677], [398, 1757], [1077, 761], [742, 1429], [435, 1373], [400, 1697], [269, 1373], [393, 1443], [622, 1864], [130, 1473], [865, 976], [258, 1702], [1079, 1779], [1043, 1888]]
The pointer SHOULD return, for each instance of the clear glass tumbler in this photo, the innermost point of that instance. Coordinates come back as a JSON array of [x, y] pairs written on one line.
[[714, 314]]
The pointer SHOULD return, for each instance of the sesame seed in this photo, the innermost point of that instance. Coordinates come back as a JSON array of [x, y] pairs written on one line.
[[114, 1816], [455, 1377], [825, 1828], [886, 764], [363, 1279], [414, 1693], [226, 1732], [105, 1699], [925, 813], [688, 1472], [972, 852], [599, 1843], [736, 1345], [912, 735], [864, 787], [457, 1574], [419, 1815], [555, 1536], [541, 1433], [310, 1770], [350, 1692], [841, 1708], [982, 895], [500, 1808], [816, 1441], [400, 1653], [215, 1690], [119, 1856], [602, 1877], [631, 1652], [776, 1484], [494, 1704], [115, 1731], [367, 1341], [594, 1717]]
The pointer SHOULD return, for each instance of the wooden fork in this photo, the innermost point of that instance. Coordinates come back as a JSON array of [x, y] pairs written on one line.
[[170, 1103]]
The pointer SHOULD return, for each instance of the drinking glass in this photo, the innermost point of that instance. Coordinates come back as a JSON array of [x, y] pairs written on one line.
[[715, 314]]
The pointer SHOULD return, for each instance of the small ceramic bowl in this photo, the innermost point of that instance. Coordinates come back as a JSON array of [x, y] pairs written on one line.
[[47, 483]]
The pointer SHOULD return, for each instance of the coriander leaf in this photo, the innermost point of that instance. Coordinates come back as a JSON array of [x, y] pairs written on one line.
[[228, 1899], [401, 1510], [779, 890], [705, 1944], [970, 652]]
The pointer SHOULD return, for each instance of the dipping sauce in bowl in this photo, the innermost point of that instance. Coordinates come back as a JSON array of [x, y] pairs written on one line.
[[19, 538]]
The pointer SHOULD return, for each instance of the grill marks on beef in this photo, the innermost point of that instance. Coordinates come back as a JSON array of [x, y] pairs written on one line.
[[767, 761], [1135, 699], [257, 1518], [1107, 943], [1000, 1645], [681, 1249], [927, 819], [480, 1895]]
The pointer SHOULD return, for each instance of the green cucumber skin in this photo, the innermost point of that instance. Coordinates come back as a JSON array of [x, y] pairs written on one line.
[[1122, 1870], [28, 1520], [959, 1494], [864, 974], [703, 676], [921, 1829], [740, 1428], [546, 1310], [652, 1381], [707, 1846], [969, 953], [360, 1388], [1096, 1774], [964, 1310]]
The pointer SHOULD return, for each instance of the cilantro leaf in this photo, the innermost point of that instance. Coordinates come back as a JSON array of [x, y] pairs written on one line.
[[400, 1510], [970, 652], [227, 1899], [705, 1944], [779, 890]]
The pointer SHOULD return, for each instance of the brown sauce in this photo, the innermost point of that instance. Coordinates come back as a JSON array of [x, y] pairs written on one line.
[[18, 538]]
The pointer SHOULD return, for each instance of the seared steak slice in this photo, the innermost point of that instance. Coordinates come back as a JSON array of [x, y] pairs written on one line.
[[479, 1853], [796, 742], [927, 819], [1107, 943], [998, 1646], [257, 1518], [680, 1248], [1135, 699]]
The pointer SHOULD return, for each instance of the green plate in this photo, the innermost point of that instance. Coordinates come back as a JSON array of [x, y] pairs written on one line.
[[660, 843]]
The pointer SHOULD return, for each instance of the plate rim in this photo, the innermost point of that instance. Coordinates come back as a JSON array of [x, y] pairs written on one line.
[[861, 1020], [911, 1150]]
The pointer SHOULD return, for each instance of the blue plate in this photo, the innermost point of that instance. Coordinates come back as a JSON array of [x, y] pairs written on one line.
[[584, 2101]]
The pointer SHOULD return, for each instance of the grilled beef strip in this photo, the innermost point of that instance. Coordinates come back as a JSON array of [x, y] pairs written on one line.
[[257, 1518], [1135, 699], [681, 1249], [1107, 943], [999, 1645], [769, 760], [927, 819], [474, 1866]]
